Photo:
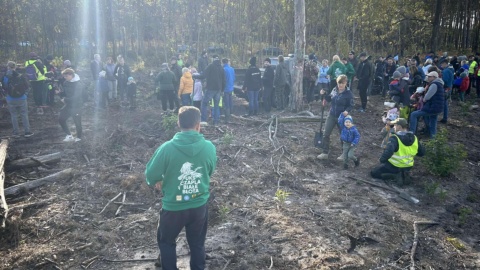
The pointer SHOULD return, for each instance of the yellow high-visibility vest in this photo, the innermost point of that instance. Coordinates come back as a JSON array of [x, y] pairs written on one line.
[[403, 158]]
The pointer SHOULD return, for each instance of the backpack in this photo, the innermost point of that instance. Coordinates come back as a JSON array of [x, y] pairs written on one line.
[[31, 71], [16, 85]]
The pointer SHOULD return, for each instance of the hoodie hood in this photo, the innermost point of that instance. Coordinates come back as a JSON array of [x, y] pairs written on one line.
[[76, 78], [439, 80], [189, 142], [407, 138], [187, 75]]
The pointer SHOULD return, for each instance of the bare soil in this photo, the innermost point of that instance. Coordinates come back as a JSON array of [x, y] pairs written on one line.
[[249, 228]]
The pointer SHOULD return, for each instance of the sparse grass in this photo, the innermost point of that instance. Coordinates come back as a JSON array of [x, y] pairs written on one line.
[[463, 214], [431, 190], [281, 196], [223, 212], [169, 123], [227, 138]]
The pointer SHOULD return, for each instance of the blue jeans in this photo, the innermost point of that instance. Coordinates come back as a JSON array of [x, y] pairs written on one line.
[[227, 100], [429, 118], [14, 107], [216, 108], [186, 99], [171, 223], [252, 102], [445, 105]]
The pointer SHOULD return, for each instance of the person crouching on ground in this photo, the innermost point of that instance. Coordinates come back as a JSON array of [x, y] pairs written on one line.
[[341, 99], [186, 87], [182, 168], [399, 154], [73, 99], [350, 138], [132, 93]]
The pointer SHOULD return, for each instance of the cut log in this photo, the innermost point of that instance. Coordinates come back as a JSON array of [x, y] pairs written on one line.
[[59, 176], [3, 202], [33, 162]]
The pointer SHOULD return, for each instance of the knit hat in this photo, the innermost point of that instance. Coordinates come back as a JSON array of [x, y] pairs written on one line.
[[67, 63], [32, 55], [401, 122], [130, 78], [397, 75], [348, 118], [164, 66], [402, 70], [363, 54], [352, 52], [268, 60], [253, 61]]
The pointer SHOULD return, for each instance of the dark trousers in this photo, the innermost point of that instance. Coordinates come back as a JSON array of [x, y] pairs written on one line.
[[472, 82], [308, 87], [362, 89], [330, 123], [40, 90], [131, 97], [122, 90], [267, 98], [384, 168], [171, 224], [198, 104], [63, 116], [280, 97], [167, 96]]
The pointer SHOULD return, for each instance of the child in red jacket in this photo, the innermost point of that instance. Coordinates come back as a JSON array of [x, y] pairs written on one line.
[[463, 86]]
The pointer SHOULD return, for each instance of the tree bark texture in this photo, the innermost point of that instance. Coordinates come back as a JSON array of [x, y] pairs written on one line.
[[33, 162], [3, 202], [296, 95]]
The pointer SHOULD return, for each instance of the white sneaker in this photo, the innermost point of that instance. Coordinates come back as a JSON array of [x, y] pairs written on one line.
[[322, 156], [69, 138], [40, 111], [340, 157], [77, 139]]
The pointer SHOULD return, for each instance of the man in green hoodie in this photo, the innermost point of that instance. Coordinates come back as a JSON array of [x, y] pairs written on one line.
[[181, 168]]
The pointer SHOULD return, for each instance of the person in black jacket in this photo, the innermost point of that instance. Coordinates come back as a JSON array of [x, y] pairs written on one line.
[[203, 62], [177, 70], [400, 151], [122, 72], [364, 76], [73, 99], [252, 84], [267, 81], [215, 83]]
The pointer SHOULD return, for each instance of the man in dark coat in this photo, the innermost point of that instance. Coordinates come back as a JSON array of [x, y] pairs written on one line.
[[363, 75]]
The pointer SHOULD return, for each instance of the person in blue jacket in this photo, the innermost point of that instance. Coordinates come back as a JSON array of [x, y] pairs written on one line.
[[350, 138], [447, 77], [228, 90]]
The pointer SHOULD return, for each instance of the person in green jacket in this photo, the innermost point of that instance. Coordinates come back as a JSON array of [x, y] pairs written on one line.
[[166, 81], [349, 71], [182, 168], [336, 69]]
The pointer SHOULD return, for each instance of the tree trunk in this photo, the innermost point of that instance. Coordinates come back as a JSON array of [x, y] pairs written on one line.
[[296, 95], [436, 25], [59, 176], [3, 202], [33, 162]]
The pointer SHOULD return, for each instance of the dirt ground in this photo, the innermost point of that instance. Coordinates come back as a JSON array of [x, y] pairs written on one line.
[[250, 227]]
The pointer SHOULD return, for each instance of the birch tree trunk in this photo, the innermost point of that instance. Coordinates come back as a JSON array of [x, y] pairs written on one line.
[[296, 93]]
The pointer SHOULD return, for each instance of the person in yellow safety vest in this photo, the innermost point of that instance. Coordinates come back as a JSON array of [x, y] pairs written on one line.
[[399, 154], [35, 72]]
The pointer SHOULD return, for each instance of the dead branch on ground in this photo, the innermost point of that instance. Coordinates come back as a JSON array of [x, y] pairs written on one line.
[[109, 202], [66, 174], [415, 240], [3, 202], [34, 162]]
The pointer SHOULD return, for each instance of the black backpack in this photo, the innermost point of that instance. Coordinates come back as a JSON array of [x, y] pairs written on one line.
[[16, 85]]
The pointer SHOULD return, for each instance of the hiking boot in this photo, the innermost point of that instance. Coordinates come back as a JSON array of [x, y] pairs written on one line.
[[28, 134], [345, 166], [323, 156], [443, 121], [357, 162], [69, 138], [340, 157]]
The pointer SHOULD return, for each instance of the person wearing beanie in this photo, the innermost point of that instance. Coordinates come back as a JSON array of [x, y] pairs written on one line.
[[252, 84], [67, 64], [214, 76], [166, 83], [350, 138], [464, 84], [398, 156], [35, 72], [267, 81], [404, 95]]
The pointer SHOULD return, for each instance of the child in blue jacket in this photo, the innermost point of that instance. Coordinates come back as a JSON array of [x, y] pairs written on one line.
[[350, 138]]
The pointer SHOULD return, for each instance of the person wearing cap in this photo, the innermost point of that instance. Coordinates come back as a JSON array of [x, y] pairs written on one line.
[[214, 76], [447, 77], [252, 84], [228, 91], [166, 82], [399, 154], [364, 76], [122, 72], [433, 104], [267, 82], [38, 84]]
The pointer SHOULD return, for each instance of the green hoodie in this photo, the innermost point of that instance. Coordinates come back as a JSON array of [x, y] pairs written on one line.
[[184, 165], [336, 69]]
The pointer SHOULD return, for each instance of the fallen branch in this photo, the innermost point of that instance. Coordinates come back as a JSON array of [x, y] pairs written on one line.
[[84, 246], [66, 174], [3, 202], [132, 260], [109, 202], [121, 205], [415, 240], [33, 162], [400, 193], [32, 204], [86, 264], [226, 265]]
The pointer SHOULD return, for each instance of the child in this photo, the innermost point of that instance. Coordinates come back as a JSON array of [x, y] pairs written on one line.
[[417, 98], [463, 86], [186, 87], [132, 93], [72, 97], [197, 93], [350, 138], [394, 90]]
